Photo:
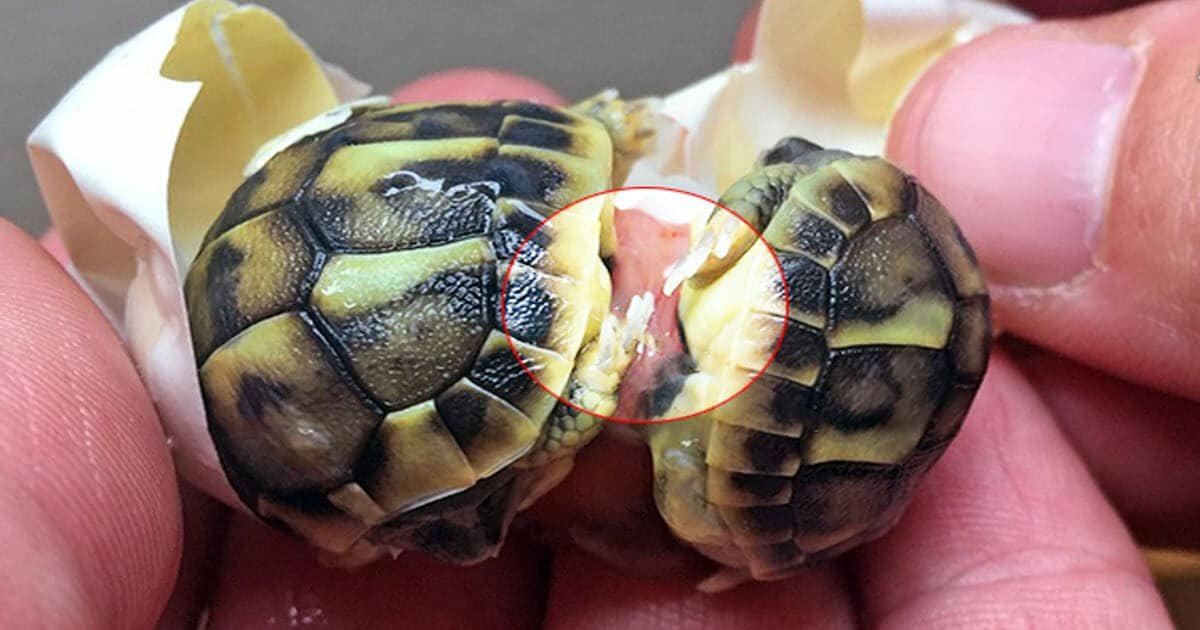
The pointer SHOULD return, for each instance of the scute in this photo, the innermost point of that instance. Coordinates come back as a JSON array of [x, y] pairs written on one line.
[[271, 391], [254, 270], [410, 322], [279, 181], [412, 458], [490, 431]]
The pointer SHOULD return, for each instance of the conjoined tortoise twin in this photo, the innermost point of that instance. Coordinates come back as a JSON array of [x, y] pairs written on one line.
[[348, 322]]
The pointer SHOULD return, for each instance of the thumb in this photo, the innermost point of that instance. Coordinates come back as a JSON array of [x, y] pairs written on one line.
[[1069, 152]]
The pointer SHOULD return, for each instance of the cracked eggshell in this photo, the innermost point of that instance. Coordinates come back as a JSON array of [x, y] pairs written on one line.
[[831, 71], [139, 157]]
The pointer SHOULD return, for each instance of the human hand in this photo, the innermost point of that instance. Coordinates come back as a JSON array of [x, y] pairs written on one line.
[[1012, 525]]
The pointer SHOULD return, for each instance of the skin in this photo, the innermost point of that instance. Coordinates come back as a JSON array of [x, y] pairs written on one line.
[[1030, 519]]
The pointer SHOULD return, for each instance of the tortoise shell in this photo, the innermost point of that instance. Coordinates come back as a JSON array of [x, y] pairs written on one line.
[[346, 318], [885, 336]]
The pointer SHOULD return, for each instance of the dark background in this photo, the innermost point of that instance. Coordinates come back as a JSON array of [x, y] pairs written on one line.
[[575, 46]]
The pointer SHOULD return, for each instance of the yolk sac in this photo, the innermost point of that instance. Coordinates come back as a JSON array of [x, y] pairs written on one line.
[[647, 248]]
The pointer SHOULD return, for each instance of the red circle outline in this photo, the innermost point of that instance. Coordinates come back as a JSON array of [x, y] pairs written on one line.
[[612, 191]]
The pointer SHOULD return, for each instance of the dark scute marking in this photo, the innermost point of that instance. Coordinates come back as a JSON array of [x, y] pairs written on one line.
[[848, 205], [535, 134], [788, 150], [524, 178], [669, 381], [372, 462], [336, 356], [464, 287], [910, 195], [767, 451], [761, 486], [517, 176], [452, 120], [864, 387], [802, 346], [868, 374], [534, 110], [411, 214], [460, 293], [236, 209], [767, 518], [971, 339], [465, 415], [313, 502], [948, 419], [791, 403], [432, 128], [512, 229], [246, 487], [493, 512], [501, 374], [786, 556], [529, 308], [882, 268], [446, 540], [428, 335], [326, 213], [830, 496], [817, 236], [807, 283], [223, 279], [256, 394]]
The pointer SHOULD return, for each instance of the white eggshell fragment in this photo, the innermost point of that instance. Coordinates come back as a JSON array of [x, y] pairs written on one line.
[[140, 156], [138, 159]]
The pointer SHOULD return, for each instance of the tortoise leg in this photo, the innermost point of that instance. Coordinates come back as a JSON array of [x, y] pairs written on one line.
[[593, 385], [629, 123]]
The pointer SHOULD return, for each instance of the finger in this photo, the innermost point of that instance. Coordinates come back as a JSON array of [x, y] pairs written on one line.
[[53, 244], [586, 594], [1074, 181], [743, 41], [87, 490], [1140, 445], [271, 579], [475, 84], [1008, 530]]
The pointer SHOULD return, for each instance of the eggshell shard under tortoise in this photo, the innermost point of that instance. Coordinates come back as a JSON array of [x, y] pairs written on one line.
[[346, 315], [886, 333]]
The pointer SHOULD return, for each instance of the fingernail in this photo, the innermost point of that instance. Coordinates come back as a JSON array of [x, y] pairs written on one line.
[[1018, 137]]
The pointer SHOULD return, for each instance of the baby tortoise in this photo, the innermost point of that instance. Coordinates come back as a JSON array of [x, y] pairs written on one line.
[[346, 317], [886, 334]]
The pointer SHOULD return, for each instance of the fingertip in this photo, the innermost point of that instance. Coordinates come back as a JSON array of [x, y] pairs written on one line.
[[84, 468], [476, 84], [1064, 178], [53, 243]]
